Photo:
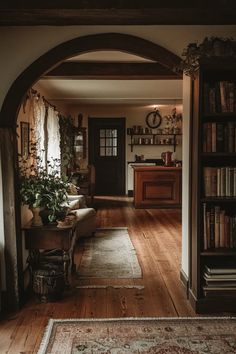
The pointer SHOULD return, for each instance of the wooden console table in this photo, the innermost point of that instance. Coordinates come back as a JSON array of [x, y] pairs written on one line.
[[49, 237]]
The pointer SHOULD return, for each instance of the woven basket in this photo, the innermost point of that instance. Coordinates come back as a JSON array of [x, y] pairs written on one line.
[[48, 283]]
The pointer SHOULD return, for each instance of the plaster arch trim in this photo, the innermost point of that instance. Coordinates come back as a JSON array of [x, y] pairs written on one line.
[[55, 56]]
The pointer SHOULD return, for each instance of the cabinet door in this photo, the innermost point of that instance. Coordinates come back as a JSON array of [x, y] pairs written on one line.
[[157, 188]]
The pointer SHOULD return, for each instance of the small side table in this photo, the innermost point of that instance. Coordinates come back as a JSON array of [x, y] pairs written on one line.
[[49, 237]]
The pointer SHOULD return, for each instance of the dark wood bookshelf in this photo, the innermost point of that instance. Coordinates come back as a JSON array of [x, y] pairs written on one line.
[[210, 74]]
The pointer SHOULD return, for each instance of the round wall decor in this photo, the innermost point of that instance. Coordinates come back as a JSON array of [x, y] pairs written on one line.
[[153, 119]]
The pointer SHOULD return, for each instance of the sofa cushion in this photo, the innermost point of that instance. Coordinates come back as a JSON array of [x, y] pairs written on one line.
[[74, 204], [80, 198], [83, 214]]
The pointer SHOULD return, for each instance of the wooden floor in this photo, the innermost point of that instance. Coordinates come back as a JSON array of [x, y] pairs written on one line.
[[156, 236]]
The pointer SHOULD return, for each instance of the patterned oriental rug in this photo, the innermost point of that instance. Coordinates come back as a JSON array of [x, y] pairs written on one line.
[[135, 336], [109, 254]]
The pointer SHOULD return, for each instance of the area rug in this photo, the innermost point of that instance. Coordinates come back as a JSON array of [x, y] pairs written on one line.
[[133, 336], [109, 254], [138, 287]]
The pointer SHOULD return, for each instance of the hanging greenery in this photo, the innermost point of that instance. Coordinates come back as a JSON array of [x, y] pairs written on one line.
[[210, 47], [67, 133]]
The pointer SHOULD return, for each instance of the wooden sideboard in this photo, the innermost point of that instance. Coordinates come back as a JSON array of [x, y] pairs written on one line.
[[157, 187]]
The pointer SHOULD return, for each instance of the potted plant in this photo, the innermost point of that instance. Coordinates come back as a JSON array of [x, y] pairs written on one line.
[[42, 188]]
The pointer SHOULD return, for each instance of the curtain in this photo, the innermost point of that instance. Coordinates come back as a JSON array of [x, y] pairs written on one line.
[[39, 112], [53, 140]]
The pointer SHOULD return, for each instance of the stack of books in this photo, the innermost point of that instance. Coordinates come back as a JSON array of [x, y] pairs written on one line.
[[219, 281]]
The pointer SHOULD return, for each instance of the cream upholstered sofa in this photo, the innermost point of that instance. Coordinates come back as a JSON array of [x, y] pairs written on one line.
[[85, 217]]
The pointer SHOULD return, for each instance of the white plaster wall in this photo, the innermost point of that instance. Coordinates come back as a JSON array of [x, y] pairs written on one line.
[[20, 46], [135, 115]]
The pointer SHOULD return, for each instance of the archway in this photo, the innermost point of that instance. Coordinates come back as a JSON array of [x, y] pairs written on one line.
[[8, 116]]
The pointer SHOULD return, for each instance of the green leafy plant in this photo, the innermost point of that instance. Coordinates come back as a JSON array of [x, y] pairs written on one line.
[[210, 47], [41, 188]]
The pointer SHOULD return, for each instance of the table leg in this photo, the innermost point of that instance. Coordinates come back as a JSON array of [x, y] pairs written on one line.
[[66, 260]]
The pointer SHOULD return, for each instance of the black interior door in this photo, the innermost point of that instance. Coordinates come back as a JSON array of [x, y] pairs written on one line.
[[107, 154]]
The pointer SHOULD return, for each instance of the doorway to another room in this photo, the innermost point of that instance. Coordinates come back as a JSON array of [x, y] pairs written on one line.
[[107, 154]]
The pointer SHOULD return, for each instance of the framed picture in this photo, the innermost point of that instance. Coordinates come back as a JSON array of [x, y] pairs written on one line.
[[24, 129]]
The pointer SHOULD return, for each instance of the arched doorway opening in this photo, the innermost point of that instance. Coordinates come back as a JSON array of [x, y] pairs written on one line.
[[8, 116]]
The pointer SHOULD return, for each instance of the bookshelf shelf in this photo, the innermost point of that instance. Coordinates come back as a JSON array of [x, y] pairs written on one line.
[[218, 200], [213, 185], [219, 252], [219, 154]]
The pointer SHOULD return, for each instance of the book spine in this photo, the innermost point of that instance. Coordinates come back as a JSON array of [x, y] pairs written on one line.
[[227, 240], [218, 182], [223, 182], [213, 137], [219, 137], [217, 226], [207, 181], [231, 181], [223, 96], [208, 227], [212, 228], [205, 241], [209, 137], [222, 228], [230, 137], [227, 179]]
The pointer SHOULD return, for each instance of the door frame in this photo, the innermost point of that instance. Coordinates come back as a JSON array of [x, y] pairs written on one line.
[[94, 121]]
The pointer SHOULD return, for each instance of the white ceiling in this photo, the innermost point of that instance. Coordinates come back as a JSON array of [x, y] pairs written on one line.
[[110, 91], [111, 55]]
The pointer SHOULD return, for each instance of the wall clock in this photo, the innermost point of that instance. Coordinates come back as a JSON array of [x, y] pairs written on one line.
[[153, 119]]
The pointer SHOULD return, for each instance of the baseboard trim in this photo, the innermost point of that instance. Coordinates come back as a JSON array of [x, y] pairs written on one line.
[[185, 281]]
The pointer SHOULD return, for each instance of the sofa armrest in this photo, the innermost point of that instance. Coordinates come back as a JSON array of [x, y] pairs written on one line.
[[80, 198]]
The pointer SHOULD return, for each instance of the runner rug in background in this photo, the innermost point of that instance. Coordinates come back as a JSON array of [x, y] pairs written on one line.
[[133, 336], [109, 254]]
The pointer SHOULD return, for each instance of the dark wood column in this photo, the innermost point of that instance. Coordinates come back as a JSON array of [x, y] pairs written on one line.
[[13, 242]]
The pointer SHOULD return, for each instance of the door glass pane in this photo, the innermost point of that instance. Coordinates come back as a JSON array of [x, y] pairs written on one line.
[[108, 133], [114, 132], [102, 133], [108, 142], [114, 142], [102, 141], [114, 151], [108, 152], [102, 152]]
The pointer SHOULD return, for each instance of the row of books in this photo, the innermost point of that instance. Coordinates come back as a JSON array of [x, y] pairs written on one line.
[[219, 97], [219, 228], [219, 181], [219, 281], [218, 137]]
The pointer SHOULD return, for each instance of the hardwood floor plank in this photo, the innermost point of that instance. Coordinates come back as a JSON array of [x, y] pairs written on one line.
[[156, 236]]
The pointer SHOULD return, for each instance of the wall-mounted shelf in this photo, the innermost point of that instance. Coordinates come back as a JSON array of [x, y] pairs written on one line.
[[153, 137]]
